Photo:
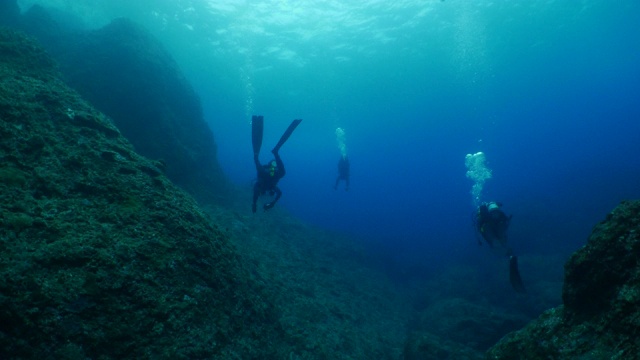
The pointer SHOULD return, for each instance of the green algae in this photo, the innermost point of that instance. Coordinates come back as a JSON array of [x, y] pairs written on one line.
[[103, 259]]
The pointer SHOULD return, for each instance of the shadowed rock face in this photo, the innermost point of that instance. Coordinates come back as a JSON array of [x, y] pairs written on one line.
[[601, 277], [127, 74], [600, 318], [102, 256]]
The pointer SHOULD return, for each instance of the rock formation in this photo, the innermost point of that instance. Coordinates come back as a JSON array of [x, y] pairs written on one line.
[[102, 256], [600, 317], [128, 75]]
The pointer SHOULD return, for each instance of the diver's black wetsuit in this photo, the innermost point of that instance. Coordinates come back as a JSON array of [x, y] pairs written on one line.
[[343, 172], [268, 178], [492, 225]]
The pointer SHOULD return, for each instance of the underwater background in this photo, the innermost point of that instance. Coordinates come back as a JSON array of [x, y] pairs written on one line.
[[547, 91]]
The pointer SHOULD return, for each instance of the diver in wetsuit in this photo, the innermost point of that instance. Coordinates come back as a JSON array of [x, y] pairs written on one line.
[[343, 172], [268, 174], [492, 223], [268, 177]]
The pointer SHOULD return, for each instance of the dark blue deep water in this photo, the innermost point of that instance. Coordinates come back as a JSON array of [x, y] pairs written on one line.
[[549, 91]]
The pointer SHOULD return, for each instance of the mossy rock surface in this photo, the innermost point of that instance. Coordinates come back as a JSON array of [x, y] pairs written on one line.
[[102, 256], [132, 248]]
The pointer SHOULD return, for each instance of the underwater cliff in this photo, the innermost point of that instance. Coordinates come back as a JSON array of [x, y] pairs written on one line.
[[127, 74], [102, 256]]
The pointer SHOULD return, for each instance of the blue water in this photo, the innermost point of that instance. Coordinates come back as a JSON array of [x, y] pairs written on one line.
[[548, 90]]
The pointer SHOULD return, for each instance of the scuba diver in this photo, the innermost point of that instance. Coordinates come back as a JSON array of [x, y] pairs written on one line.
[[492, 224], [343, 172], [268, 174]]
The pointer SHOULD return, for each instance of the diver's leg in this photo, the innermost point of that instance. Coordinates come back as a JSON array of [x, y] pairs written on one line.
[[257, 127], [294, 124]]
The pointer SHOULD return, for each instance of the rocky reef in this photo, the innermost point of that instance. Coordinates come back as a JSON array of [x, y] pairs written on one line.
[[102, 256], [600, 317], [127, 74], [460, 315], [304, 294]]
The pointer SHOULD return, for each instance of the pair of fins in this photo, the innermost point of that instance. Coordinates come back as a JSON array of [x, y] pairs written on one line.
[[514, 275], [257, 131]]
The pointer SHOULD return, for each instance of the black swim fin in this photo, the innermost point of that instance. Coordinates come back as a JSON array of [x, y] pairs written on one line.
[[514, 275], [294, 124], [257, 129]]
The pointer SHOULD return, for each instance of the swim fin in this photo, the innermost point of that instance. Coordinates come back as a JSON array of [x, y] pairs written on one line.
[[257, 129], [514, 275], [294, 124]]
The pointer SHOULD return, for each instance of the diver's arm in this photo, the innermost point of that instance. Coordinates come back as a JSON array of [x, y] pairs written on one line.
[[278, 194], [271, 204]]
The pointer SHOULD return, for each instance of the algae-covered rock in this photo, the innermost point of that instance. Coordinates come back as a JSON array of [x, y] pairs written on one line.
[[23, 56], [126, 73], [455, 328], [101, 255], [604, 275], [426, 346], [600, 318], [330, 305], [476, 326]]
